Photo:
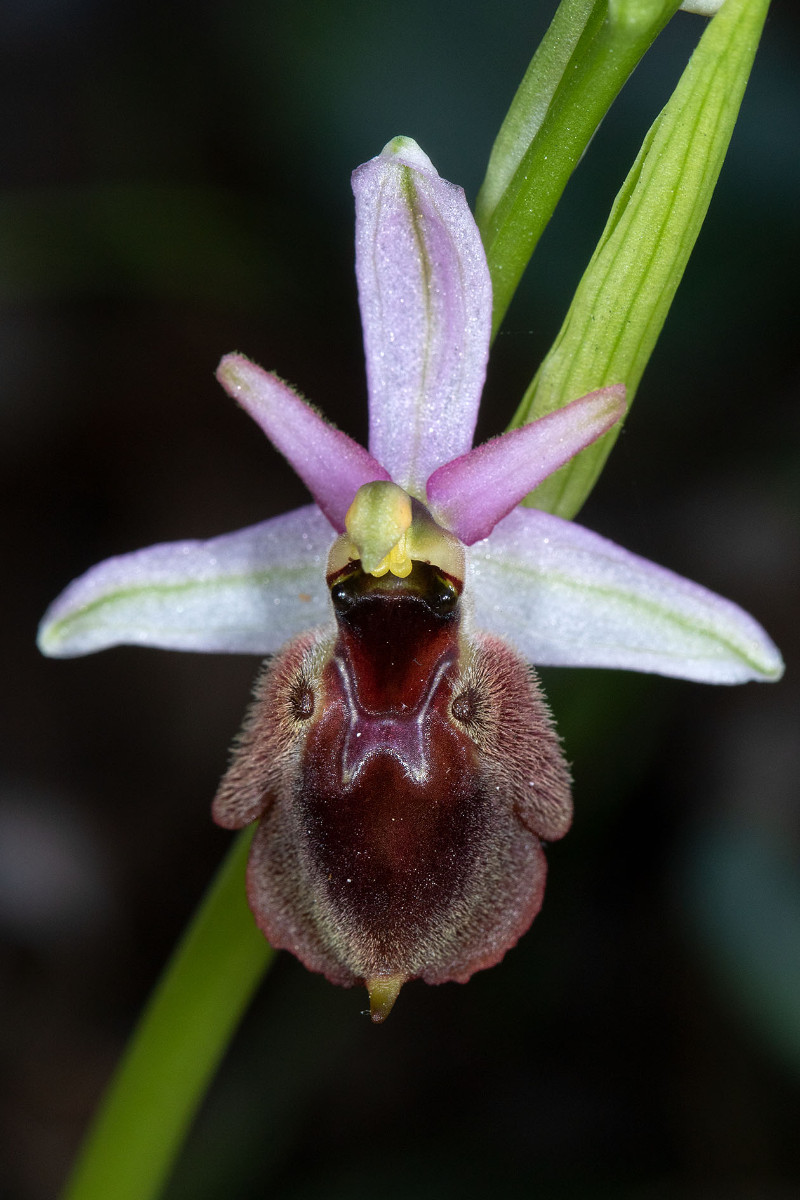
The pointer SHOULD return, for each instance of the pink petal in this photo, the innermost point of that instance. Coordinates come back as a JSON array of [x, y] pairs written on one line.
[[331, 465], [472, 493], [426, 308]]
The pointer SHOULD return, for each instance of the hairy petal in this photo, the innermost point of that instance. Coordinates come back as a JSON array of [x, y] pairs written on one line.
[[331, 465], [246, 592], [426, 307], [472, 493], [567, 597]]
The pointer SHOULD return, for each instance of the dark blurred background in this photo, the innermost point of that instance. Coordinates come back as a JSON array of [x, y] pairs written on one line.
[[175, 185]]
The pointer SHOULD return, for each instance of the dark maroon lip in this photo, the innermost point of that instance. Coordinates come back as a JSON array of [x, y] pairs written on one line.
[[404, 774]]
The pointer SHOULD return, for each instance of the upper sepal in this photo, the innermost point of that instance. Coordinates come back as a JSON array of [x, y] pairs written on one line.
[[704, 8], [426, 306]]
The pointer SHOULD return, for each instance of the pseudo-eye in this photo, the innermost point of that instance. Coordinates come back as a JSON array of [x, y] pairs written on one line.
[[399, 755], [404, 773]]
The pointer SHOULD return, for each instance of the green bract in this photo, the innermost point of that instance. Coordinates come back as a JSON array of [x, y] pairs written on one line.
[[623, 298], [584, 61]]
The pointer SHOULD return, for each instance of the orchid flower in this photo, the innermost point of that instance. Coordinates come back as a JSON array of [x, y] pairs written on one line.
[[399, 753]]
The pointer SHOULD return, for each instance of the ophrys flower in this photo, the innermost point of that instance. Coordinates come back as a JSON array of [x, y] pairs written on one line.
[[398, 753]]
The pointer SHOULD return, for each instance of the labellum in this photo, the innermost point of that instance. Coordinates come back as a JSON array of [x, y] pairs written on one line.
[[404, 772]]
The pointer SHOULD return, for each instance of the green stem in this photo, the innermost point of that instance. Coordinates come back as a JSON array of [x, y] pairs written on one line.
[[612, 39], [177, 1046]]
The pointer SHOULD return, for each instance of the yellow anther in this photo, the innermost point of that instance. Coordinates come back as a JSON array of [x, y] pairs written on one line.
[[398, 561]]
